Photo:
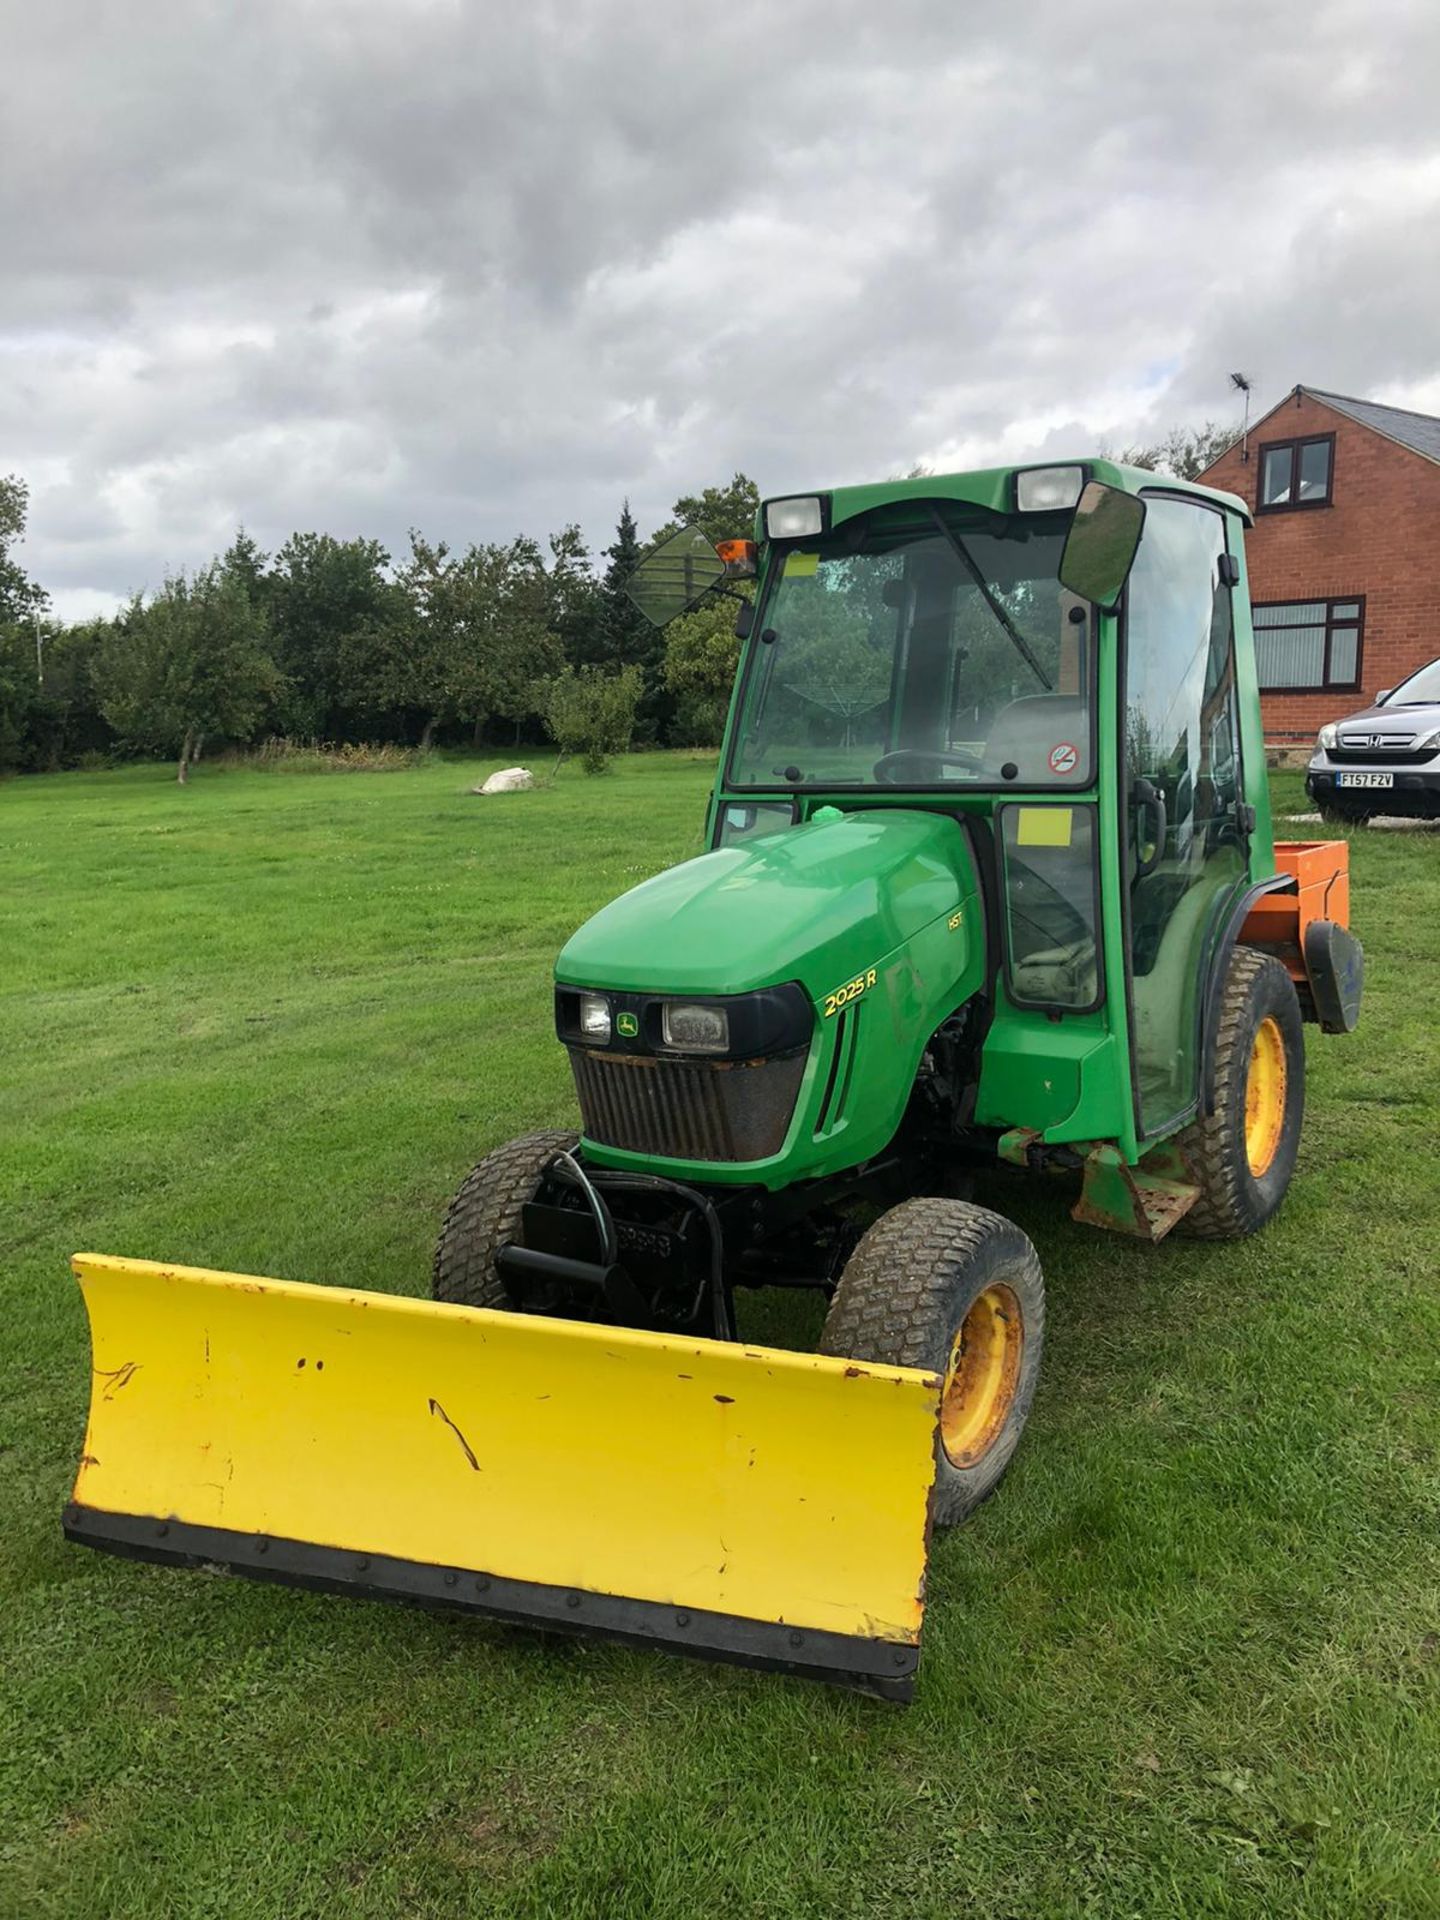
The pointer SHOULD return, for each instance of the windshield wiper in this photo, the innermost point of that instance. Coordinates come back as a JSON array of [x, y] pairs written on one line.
[[1021, 644]]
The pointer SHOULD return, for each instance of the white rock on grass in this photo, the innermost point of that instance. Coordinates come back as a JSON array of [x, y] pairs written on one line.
[[508, 780]]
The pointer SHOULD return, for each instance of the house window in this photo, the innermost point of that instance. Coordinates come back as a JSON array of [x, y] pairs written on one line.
[[1309, 646], [1296, 473]]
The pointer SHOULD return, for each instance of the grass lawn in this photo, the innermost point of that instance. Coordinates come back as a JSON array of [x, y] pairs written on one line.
[[1187, 1663]]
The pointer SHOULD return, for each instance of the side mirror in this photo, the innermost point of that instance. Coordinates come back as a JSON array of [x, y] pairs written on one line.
[[673, 575], [1101, 545], [1383, 695]]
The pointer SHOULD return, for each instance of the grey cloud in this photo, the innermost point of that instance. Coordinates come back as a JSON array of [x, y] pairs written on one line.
[[477, 269]]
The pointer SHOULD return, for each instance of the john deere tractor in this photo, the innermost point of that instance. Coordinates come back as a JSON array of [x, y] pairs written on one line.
[[989, 878]]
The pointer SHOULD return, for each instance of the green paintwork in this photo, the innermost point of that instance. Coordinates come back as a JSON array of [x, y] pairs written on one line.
[[867, 879], [821, 904], [1144, 1201], [1247, 679], [993, 488]]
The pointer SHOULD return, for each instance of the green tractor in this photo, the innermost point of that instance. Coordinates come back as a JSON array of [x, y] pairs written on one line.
[[990, 827], [990, 878]]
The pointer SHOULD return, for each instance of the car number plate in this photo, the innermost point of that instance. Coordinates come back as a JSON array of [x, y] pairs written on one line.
[[1367, 779]]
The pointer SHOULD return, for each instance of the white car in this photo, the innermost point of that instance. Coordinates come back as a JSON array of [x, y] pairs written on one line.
[[1385, 759]]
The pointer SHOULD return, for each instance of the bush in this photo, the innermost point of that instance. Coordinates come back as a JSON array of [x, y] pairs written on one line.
[[592, 714]]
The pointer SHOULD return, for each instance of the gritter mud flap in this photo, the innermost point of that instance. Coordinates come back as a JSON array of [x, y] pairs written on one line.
[[735, 1502]]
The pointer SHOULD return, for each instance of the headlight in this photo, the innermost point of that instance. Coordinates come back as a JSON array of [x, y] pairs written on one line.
[[595, 1017], [794, 519], [1430, 743], [1327, 738], [1048, 489], [690, 1028]]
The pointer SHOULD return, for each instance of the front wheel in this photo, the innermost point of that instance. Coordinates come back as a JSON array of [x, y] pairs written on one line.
[[1243, 1153], [485, 1214], [956, 1290]]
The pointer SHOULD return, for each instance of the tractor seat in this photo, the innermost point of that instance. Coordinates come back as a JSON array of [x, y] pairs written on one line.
[[1062, 976]]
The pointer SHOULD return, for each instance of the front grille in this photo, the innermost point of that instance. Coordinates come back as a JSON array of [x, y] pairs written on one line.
[[1380, 756], [1379, 750], [687, 1109]]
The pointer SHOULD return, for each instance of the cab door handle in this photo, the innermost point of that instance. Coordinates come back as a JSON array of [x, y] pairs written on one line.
[[1150, 803]]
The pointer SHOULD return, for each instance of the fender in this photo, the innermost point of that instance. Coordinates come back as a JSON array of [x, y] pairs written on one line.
[[1219, 967]]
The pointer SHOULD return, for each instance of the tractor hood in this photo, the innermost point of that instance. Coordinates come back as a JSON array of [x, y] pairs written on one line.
[[814, 903]]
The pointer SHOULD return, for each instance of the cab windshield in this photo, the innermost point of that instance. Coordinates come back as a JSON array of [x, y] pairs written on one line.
[[926, 645]]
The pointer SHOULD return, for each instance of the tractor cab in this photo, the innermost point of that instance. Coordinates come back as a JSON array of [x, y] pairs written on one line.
[[1060, 660]]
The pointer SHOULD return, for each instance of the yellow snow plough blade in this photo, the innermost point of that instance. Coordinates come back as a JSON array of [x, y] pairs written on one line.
[[742, 1503]]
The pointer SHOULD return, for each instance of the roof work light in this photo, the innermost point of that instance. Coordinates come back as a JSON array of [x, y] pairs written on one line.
[[1048, 489], [794, 519]]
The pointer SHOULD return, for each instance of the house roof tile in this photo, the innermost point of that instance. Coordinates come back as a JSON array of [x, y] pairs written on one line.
[[1418, 431]]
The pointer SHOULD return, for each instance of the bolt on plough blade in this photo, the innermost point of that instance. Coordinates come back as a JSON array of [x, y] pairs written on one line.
[[740, 1503]]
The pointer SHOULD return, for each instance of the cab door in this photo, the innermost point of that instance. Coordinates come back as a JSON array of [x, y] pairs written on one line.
[[1186, 853]]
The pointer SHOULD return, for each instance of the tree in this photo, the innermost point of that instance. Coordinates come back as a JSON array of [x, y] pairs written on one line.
[[243, 561], [592, 713], [338, 622], [20, 597], [192, 664], [721, 513], [20, 695], [701, 655], [624, 637], [481, 642], [573, 614], [48, 711], [1184, 452], [522, 653]]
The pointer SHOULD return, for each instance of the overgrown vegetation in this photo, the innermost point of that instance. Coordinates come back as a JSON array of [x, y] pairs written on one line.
[[1187, 1663], [278, 755]]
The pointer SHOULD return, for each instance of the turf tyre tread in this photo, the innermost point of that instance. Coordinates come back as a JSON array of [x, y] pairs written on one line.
[[903, 1295], [485, 1214], [1233, 1203]]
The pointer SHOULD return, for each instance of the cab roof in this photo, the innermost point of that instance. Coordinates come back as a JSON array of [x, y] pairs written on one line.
[[993, 487]]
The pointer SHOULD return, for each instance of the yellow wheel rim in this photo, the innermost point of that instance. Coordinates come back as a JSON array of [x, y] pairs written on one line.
[[1265, 1096], [981, 1378]]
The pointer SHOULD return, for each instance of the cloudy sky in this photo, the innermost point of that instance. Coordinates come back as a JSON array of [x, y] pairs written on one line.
[[361, 265]]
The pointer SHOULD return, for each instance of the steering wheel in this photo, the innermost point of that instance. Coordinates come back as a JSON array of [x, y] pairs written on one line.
[[888, 766]]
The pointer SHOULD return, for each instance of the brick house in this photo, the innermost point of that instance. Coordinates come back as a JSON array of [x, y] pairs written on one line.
[[1345, 554]]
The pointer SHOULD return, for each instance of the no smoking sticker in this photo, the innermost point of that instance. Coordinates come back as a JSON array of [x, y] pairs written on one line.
[[1063, 758]]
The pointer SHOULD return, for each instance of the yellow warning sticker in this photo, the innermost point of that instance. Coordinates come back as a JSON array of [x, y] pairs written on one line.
[[1044, 827], [799, 566]]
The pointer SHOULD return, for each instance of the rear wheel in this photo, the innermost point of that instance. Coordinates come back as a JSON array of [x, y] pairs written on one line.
[[485, 1214], [956, 1290], [1244, 1153]]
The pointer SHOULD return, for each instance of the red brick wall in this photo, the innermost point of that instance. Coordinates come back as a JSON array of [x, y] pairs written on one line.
[[1380, 537]]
